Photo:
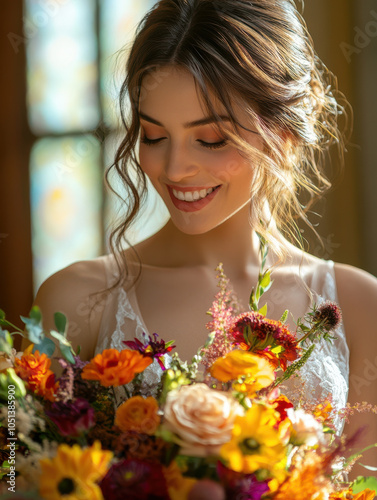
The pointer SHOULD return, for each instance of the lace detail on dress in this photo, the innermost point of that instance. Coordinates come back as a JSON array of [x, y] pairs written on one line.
[[127, 322], [326, 372]]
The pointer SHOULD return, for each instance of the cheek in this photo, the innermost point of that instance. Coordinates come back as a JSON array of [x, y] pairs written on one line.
[[234, 169], [149, 162]]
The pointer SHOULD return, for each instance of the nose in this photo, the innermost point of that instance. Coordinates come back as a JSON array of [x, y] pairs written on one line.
[[180, 163]]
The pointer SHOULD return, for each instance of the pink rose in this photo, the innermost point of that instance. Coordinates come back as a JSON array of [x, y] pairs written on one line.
[[201, 418]]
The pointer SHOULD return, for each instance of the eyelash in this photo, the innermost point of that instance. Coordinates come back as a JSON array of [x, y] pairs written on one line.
[[208, 145]]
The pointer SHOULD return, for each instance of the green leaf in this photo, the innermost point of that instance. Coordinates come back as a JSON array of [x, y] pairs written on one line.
[[47, 347], [362, 483], [34, 329], [6, 341], [170, 343], [252, 302], [265, 282], [67, 353], [284, 316], [369, 467], [62, 339], [60, 322], [35, 314], [263, 310], [2, 314]]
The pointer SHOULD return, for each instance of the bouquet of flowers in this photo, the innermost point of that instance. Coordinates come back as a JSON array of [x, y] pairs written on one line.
[[221, 417]]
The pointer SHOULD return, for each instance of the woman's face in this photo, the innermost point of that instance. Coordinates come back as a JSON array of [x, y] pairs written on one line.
[[201, 177]]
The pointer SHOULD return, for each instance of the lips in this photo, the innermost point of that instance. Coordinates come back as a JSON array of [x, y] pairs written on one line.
[[188, 193]]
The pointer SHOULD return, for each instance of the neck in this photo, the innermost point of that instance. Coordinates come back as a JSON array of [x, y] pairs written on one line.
[[234, 243]]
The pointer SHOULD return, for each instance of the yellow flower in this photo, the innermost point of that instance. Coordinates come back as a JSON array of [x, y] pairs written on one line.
[[257, 371], [138, 414], [113, 367], [256, 443], [178, 486], [73, 472]]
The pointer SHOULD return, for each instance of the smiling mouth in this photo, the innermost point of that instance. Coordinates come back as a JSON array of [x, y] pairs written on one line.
[[191, 199], [190, 196]]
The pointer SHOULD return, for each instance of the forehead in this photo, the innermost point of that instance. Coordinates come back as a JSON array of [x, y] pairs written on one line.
[[171, 90]]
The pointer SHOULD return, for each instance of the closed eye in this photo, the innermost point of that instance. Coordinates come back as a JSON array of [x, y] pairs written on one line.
[[151, 142], [209, 145], [213, 145]]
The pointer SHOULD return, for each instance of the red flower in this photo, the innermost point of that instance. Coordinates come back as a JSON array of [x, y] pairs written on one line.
[[254, 332], [154, 349], [72, 418], [134, 480], [281, 405]]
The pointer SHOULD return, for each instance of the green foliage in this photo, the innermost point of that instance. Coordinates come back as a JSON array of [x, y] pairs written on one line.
[[33, 325], [296, 366], [6, 341], [60, 322], [11, 378], [363, 483], [264, 280], [46, 346]]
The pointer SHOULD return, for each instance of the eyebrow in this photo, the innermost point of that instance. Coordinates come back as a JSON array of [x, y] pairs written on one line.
[[196, 123]]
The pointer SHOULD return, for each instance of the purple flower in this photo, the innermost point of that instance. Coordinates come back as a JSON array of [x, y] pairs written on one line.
[[134, 480], [72, 418], [154, 349], [238, 485], [328, 315]]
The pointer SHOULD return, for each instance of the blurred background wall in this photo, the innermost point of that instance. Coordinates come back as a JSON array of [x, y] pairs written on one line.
[[58, 133]]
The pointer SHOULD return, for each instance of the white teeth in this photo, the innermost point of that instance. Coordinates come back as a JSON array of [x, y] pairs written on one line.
[[192, 195]]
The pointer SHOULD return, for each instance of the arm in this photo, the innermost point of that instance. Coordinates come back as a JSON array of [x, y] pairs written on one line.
[[357, 291], [72, 291]]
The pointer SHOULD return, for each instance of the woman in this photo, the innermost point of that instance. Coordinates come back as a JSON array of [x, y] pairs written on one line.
[[228, 112]]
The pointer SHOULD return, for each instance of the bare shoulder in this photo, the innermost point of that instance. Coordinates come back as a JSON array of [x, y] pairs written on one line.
[[76, 292], [357, 294], [355, 285]]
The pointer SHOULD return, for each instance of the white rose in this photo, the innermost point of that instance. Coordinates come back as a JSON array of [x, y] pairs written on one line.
[[202, 418], [306, 429]]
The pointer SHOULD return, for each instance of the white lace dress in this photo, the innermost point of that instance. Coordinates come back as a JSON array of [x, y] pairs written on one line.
[[326, 372]]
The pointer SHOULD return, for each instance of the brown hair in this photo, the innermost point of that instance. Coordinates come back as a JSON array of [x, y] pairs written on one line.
[[255, 53]]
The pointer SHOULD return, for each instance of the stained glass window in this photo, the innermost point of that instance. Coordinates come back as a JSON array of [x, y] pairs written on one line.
[[66, 202], [74, 75]]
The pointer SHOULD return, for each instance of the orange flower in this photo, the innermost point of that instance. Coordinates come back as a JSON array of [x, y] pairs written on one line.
[[306, 480], [322, 411], [365, 495], [113, 367], [257, 371], [341, 495], [138, 414], [34, 369]]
